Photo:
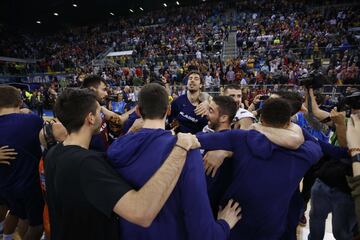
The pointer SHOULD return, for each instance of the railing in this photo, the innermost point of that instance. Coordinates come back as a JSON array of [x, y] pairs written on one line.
[[327, 89], [132, 61]]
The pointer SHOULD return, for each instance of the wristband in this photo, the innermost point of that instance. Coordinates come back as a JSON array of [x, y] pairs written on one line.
[[356, 158], [177, 145]]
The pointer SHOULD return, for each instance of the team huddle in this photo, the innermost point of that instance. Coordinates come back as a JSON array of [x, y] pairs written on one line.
[[197, 167]]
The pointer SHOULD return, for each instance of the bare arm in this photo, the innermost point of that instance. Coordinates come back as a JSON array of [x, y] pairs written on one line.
[[255, 101], [244, 123], [25, 110], [290, 138], [339, 119], [59, 133], [117, 119], [353, 140], [142, 206], [318, 113]]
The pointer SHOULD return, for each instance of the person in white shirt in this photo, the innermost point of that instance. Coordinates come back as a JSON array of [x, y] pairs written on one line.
[[243, 82], [209, 81], [198, 54], [243, 118], [230, 75]]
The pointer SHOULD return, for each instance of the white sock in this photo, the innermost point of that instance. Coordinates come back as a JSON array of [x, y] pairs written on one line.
[[7, 237]]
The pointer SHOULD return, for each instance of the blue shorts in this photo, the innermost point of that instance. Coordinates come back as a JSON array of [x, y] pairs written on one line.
[[29, 204]]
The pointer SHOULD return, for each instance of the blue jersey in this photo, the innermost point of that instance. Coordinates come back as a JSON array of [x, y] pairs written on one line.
[[21, 132], [265, 177], [184, 112]]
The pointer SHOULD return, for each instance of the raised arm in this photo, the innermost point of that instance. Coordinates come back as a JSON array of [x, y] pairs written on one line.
[[353, 141], [318, 113], [142, 206], [339, 120], [256, 100]]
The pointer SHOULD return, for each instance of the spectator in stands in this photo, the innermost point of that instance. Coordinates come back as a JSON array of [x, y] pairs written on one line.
[[209, 82], [230, 75], [37, 102]]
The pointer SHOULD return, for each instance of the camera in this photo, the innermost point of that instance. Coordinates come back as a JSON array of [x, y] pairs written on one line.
[[112, 98], [264, 97], [315, 79], [349, 102]]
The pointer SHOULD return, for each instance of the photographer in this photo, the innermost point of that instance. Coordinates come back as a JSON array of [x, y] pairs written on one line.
[[117, 103], [330, 192], [333, 118], [353, 139]]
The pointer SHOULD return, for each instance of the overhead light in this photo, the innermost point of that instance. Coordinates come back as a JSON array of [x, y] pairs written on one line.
[[204, 0], [112, 14], [56, 14], [74, 5], [177, 3], [131, 10], [141, 8], [165, 5], [38, 22]]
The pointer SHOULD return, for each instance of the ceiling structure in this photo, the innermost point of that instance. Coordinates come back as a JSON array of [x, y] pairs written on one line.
[[54, 14]]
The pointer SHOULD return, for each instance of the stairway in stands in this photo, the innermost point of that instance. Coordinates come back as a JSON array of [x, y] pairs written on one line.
[[229, 47]]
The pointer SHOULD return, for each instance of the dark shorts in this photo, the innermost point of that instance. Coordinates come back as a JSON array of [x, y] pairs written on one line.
[[29, 204]]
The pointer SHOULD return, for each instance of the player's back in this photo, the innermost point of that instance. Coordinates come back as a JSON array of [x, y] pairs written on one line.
[[21, 132]]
